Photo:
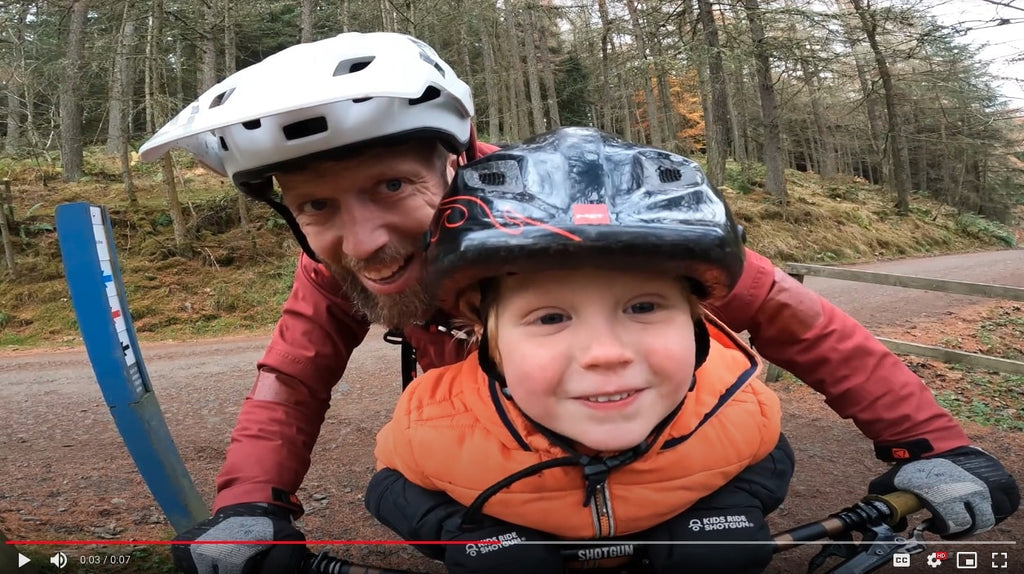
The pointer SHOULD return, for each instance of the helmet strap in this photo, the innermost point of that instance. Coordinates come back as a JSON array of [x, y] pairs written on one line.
[[487, 364], [286, 214], [702, 342], [471, 150]]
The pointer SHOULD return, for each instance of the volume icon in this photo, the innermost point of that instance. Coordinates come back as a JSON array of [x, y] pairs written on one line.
[[59, 560]]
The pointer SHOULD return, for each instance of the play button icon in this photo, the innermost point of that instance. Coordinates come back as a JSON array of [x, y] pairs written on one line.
[[22, 560]]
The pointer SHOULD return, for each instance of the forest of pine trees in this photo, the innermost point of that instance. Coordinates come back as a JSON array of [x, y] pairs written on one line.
[[878, 90]]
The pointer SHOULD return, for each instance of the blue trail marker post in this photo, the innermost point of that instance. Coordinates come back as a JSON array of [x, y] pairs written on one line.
[[98, 297]]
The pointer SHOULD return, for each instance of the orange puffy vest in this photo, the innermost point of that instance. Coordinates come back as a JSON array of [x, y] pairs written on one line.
[[453, 431]]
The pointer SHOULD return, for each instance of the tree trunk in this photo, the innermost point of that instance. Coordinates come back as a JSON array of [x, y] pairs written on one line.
[[532, 73], [155, 65], [826, 148], [668, 112], [208, 73], [120, 84], [870, 101], [737, 126], [5, 230], [15, 84], [687, 21], [509, 116], [307, 21], [775, 177], [606, 105], [549, 74], [126, 173], [230, 57], [343, 15], [70, 104], [12, 142], [627, 112], [493, 105], [174, 206], [517, 73], [717, 125], [386, 17], [230, 39], [149, 100], [894, 135], [465, 17], [651, 107]]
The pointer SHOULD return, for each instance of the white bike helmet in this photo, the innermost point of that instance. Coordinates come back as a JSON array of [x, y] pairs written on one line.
[[317, 99]]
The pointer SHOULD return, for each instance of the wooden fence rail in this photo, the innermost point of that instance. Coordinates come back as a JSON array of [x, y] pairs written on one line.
[[800, 270]]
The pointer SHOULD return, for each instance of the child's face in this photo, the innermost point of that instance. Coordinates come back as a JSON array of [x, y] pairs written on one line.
[[598, 356]]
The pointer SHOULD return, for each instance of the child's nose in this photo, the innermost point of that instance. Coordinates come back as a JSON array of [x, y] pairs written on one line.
[[605, 347]]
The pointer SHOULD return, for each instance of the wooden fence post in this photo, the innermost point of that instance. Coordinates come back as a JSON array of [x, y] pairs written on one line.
[[5, 230]]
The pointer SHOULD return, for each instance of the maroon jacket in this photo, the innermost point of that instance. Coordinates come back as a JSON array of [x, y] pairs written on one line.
[[789, 325]]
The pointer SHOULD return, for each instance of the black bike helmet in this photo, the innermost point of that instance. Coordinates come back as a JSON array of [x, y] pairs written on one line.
[[577, 197]]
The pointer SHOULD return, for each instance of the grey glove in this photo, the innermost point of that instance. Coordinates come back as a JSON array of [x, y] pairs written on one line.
[[250, 521], [966, 489]]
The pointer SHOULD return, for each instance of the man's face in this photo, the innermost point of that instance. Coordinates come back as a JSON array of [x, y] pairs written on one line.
[[366, 216]]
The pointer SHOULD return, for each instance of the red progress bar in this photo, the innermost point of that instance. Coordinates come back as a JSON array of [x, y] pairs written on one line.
[[175, 542]]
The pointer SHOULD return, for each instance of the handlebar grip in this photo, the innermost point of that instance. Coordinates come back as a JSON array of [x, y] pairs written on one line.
[[901, 504]]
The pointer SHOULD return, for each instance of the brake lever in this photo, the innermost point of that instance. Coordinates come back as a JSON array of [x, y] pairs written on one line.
[[876, 549]]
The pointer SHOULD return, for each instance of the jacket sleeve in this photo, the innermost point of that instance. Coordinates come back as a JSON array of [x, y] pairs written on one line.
[[400, 495], [411, 511], [800, 331], [280, 418]]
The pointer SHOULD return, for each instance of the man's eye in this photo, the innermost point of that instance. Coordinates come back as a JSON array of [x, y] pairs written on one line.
[[393, 185], [643, 307], [551, 318]]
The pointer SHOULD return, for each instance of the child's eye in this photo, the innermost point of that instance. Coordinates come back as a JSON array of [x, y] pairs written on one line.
[[642, 307], [552, 318], [314, 205], [393, 185]]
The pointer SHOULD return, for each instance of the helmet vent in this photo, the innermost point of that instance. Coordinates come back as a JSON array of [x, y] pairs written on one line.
[[221, 98], [431, 93], [252, 124], [223, 143], [426, 58], [352, 66], [669, 174], [492, 178], [305, 128]]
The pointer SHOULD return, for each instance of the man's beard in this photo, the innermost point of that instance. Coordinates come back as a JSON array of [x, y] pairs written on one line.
[[394, 310]]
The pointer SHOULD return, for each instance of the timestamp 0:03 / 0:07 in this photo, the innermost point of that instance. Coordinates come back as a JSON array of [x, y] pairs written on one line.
[[97, 559]]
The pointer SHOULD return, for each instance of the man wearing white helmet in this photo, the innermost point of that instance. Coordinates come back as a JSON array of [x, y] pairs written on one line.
[[362, 133]]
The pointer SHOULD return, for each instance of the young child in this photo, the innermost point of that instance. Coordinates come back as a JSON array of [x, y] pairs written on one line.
[[602, 402]]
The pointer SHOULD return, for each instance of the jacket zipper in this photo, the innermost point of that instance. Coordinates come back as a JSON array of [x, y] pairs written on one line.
[[601, 510]]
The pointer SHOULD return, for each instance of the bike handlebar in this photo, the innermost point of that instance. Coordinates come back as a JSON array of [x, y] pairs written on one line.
[[888, 509], [873, 510]]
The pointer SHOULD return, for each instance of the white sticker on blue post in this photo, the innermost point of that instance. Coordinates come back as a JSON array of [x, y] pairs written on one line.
[[102, 249]]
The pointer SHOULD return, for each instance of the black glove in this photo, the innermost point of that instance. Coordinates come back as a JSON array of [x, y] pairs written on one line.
[[507, 555], [249, 521], [966, 489]]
